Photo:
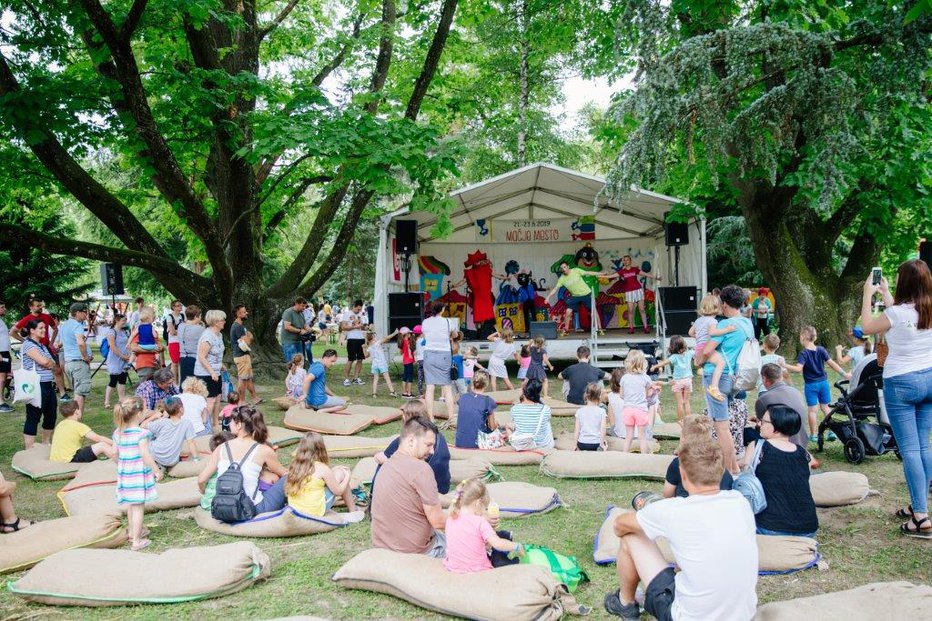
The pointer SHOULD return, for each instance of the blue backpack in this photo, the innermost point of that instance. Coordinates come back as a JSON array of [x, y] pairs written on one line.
[[105, 347], [748, 485]]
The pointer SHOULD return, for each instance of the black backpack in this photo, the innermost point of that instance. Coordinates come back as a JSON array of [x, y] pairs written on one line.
[[231, 504]]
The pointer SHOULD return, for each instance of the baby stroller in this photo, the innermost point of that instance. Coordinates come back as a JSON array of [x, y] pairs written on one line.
[[850, 418]]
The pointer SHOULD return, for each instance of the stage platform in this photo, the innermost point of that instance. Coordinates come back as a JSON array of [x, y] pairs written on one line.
[[610, 348]]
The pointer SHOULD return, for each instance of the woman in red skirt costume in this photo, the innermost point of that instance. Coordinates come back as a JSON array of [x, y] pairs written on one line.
[[634, 293]]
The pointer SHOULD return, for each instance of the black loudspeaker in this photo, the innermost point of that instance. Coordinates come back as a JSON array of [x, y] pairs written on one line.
[[679, 298], [405, 310], [406, 236], [677, 233], [678, 322], [546, 329], [925, 252], [111, 279]]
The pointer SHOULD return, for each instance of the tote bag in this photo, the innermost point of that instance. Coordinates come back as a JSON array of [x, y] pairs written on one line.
[[27, 389]]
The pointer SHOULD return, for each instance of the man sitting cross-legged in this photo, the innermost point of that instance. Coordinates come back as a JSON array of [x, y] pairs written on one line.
[[711, 534]]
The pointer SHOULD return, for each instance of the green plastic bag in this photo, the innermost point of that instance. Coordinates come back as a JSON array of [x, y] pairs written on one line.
[[565, 568]]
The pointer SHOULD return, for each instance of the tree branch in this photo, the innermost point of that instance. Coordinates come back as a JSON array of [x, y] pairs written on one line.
[[275, 23], [432, 59], [115, 215], [384, 59], [293, 198], [132, 19]]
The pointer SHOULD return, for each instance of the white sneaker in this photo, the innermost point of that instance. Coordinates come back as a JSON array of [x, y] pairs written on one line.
[[346, 382], [358, 381], [354, 517]]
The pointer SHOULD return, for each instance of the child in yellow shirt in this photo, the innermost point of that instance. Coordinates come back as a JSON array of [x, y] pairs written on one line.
[[312, 485], [68, 439]]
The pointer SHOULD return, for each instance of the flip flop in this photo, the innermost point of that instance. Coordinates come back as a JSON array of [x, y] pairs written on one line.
[[140, 544]]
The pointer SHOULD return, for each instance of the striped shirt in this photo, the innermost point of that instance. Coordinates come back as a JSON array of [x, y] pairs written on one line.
[[135, 480], [45, 375], [527, 417]]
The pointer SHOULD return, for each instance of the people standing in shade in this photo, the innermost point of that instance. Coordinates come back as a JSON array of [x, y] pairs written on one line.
[[146, 345], [189, 334], [240, 341], [811, 363], [315, 394], [37, 357], [578, 376], [77, 352], [37, 312], [310, 319], [906, 324], [354, 326], [406, 512], [572, 278], [438, 332], [170, 322], [294, 329], [118, 356], [761, 310], [729, 345], [6, 362], [209, 364], [630, 276]]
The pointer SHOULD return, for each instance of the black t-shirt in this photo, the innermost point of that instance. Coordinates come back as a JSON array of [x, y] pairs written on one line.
[[237, 331], [673, 478], [785, 478], [579, 376]]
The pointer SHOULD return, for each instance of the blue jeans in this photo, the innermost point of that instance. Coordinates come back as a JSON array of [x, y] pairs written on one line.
[[273, 498], [718, 410], [780, 533], [908, 398], [290, 349]]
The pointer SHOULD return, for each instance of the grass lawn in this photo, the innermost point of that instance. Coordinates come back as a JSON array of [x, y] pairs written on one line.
[[860, 543]]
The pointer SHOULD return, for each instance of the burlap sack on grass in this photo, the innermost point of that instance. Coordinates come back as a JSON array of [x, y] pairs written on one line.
[[460, 470], [301, 418], [25, 548], [440, 410], [777, 555], [35, 464], [516, 499], [283, 403], [100, 472], [121, 577], [344, 447], [516, 592], [187, 468], [666, 431], [836, 489], [878, 600], [558, 407], [505, 397], [278, 437], [604, 465], [100, 499], [501, 457], [564, 442], [380, 414], [283, 523]]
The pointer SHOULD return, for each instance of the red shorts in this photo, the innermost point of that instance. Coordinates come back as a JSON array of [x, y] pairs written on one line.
[[174, 352]]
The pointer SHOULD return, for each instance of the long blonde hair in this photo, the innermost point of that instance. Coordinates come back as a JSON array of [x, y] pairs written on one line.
[[311, 449], [468, 492], [126, 410], [636, 362]]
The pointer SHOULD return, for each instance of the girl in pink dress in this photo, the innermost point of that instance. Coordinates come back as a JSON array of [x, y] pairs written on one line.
[[469, 532]]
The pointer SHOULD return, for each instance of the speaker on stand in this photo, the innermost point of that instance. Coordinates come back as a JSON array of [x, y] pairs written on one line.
[[406, 244], [111, 279], [676, 234]]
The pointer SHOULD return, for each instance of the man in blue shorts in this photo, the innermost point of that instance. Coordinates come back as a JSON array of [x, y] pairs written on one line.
[[729, 346]]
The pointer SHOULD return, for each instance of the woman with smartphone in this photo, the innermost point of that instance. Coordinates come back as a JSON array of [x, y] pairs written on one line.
[[907, 379]]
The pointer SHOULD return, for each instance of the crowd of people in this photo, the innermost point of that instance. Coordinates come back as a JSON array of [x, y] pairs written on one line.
[[704, 510]]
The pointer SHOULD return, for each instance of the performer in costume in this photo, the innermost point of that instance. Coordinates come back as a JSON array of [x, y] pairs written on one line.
[[587, 259], [574, 279], [527, 296], [634, 293], [478, 278]]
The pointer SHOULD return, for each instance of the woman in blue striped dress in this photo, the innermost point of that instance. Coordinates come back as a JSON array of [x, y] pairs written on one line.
[[137, 472]]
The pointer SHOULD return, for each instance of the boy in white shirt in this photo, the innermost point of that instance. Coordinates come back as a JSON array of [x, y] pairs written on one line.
[[712, 536]]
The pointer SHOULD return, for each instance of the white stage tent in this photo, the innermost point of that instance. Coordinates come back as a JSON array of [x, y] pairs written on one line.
[[532, 215]]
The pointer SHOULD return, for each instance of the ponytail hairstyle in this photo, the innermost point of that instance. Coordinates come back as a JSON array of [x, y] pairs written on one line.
[[296, 361], [539, 341], [868, 346], [127, 410], [615, 382], [311, 449], [525, 351], [370, 337], [252, 421], [594, 393], [508, 335], [468, 492], [31, 325]]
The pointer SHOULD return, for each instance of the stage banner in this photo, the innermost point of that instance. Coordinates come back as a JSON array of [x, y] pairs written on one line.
[[432, 284], [551, 230]]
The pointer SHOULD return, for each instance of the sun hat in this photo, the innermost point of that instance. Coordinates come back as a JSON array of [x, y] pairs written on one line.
[[417, 329], [857, 332], [404, 330]]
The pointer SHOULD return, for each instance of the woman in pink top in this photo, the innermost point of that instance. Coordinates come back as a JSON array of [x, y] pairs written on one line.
[[469, 531]]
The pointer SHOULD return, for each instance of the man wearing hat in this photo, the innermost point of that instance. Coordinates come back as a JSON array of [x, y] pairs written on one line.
[[73, 333]]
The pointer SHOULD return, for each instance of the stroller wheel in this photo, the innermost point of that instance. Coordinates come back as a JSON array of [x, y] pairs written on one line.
[[854, 450]]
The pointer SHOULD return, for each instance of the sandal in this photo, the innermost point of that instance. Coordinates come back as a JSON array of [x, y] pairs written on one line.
[[13, 527], [918, 530], [393, 393], [906, 513], [715, 393], [140, 544]]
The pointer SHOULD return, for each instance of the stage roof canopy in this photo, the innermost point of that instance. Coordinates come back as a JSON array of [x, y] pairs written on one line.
[[543, 190]]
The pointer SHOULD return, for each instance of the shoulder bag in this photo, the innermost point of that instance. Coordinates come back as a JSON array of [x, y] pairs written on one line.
[[527, 441], [747, 483]]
